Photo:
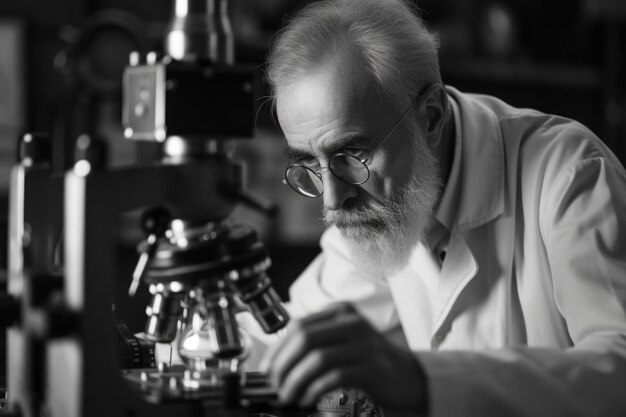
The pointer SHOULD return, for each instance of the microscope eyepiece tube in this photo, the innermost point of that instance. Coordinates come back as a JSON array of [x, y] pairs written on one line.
[[263, 301]]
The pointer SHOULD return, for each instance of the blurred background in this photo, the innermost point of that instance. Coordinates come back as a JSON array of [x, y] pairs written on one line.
[[61, 65]]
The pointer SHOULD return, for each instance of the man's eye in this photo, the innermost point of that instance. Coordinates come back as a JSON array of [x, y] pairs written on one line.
[[356, 152], [307, 161]]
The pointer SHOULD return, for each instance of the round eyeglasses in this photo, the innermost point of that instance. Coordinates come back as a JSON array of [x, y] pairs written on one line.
[[307, 180]]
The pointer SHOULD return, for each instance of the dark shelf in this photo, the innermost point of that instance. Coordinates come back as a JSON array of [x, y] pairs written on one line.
[[579, 77]]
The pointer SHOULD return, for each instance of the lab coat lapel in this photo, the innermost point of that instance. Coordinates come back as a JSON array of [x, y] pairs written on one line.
[[421, 316], [411, 297], [455, 275]]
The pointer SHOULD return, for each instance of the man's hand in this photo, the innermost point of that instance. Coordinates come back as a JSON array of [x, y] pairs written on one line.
[[339, 348]]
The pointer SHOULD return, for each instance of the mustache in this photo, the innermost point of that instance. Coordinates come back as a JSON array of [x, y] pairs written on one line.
[[372, 214]]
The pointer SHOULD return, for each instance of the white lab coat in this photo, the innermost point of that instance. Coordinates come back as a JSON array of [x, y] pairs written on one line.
[[528, 314]]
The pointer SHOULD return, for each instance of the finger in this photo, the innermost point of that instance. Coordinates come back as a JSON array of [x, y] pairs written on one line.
[[331, 380], [314, 364], [321, 316], [308, 336], [329, 314]]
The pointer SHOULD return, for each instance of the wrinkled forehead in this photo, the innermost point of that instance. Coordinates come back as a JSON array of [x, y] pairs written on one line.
[[309, 100], [321, 121], [339, 90]]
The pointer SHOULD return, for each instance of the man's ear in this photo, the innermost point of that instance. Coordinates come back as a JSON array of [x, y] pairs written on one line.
[[436, 104]]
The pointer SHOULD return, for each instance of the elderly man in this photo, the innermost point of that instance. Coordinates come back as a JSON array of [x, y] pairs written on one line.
[[474, 262]]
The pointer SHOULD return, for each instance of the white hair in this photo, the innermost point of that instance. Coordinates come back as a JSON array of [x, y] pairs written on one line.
[[400, 53]]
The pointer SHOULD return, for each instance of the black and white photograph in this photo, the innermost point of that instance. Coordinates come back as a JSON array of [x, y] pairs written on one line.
[[313, 208]]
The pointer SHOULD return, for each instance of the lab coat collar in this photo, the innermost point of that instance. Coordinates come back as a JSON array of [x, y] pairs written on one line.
[[482, 163]]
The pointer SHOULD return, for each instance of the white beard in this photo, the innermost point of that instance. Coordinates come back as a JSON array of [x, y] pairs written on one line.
[[381, 236]]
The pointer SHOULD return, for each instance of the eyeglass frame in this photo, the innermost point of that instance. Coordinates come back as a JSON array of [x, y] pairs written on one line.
[[364, 162]]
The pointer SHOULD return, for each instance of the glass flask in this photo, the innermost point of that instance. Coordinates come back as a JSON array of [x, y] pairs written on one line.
[[212, 343]]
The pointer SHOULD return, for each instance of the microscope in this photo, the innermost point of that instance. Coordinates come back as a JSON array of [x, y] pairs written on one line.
[[201, 270]]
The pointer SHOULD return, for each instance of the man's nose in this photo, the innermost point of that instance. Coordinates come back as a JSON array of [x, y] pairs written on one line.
[[336, 191]]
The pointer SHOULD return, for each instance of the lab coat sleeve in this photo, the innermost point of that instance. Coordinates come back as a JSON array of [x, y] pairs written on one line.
[[583, 226]]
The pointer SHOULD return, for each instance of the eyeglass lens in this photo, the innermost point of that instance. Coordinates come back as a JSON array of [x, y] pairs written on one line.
[[307, 182], [349, 168], [304, 181]]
